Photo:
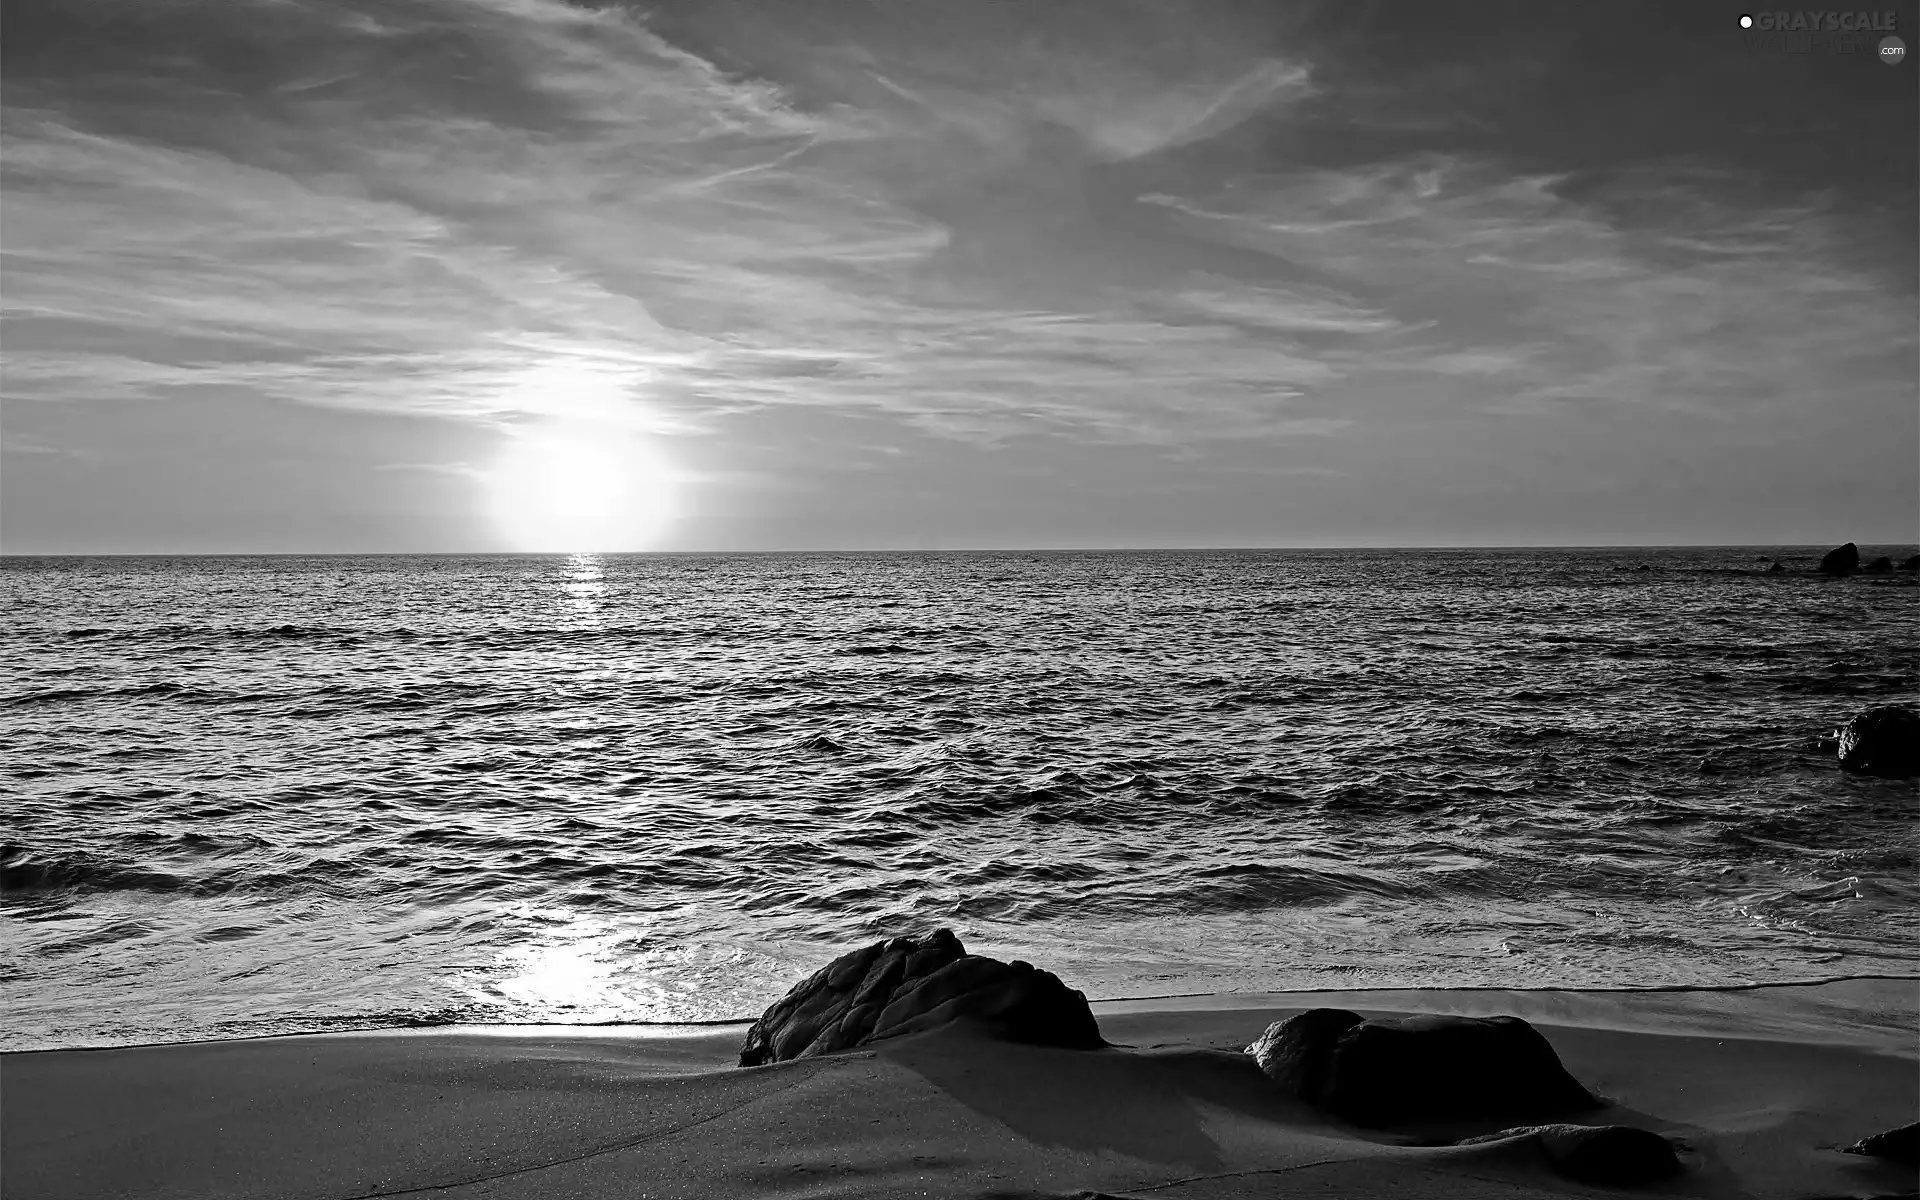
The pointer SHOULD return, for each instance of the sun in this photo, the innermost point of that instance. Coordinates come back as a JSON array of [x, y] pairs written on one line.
[[579, 491]]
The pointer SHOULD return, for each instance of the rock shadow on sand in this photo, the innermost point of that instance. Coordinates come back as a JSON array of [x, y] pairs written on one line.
[[1149, 1105]]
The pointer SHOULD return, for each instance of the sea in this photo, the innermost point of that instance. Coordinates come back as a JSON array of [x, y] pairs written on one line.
[[258, 795]]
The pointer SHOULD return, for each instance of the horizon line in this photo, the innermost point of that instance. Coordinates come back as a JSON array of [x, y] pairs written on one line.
[[1215, 549]]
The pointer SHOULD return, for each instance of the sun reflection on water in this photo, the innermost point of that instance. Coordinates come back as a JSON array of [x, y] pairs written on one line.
[[585, 589], [573, 968], [569, 966]]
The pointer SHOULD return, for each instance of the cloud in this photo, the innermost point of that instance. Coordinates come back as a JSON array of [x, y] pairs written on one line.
[[1127, 121], [1282, 310], [452, 470], [1703, 305], [23, 444]]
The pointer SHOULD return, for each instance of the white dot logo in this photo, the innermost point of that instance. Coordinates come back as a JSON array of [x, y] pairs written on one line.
[[1746, 22], [1892, 50]]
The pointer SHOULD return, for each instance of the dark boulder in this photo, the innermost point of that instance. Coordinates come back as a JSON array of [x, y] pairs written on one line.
[[1879, 566], [1881, 741], [906, 985], [1612, 1155], [1377, 1072], [1900, 1145], [1910, 563], [1843, 561], [1775, 569], [1298, 1052]]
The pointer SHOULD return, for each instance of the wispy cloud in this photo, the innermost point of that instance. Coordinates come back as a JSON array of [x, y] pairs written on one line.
[[1285, 311], [1123, 120], [1705, 305]]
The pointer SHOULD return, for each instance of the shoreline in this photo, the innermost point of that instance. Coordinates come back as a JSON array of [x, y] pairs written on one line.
[[1758, 1087], [1173, 1002]]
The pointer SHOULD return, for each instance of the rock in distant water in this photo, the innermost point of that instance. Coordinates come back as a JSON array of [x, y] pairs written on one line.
[[1881, 741], [911, 984], [1879, 566], [1376, 1072], [1901, 1145], [1910, 563], [1843, 561], [1603, 1154], [1775, 568]]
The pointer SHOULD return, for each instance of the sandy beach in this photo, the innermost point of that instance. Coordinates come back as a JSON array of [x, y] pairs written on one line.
[[1760, 1089]]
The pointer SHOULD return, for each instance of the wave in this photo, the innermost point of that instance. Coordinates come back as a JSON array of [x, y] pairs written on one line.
[[68, 695], [25, 870], [239, 868]]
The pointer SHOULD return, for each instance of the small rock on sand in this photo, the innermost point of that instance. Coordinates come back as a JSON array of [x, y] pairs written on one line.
[[1376, 1072], [907, 985]]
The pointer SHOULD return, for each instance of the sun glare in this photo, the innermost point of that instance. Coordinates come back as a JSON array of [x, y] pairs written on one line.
[[580, 491]]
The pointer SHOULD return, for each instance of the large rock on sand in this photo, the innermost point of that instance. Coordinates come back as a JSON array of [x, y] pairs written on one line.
[[1843, 560], [1881, 741], [1613, 1155], [911, 984], [1900, 1145], [1377, 1072]]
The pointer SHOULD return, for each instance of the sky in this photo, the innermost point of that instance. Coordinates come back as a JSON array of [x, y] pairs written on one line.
[[476, 275]]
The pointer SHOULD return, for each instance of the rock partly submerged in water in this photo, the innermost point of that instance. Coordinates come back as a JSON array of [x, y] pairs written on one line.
[[907, 985], [1616, 1155], [1910, 563], [1879, 566], [1881, 741], [1900, 1145], [1843, 560], [1380, 1071]]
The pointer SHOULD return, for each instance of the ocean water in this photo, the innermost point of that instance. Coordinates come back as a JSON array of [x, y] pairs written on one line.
[[253, 795]]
